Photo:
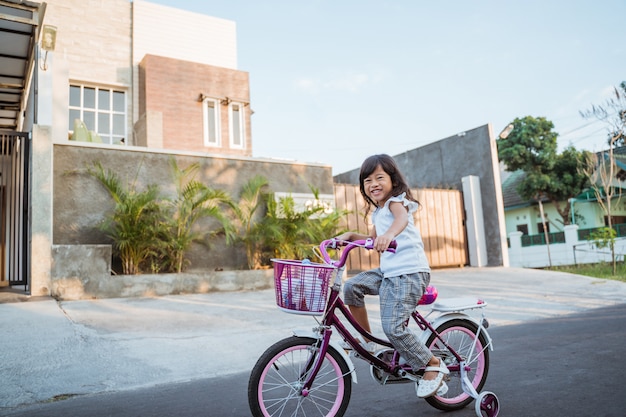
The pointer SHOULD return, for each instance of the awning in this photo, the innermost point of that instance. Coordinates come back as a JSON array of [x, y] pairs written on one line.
[[20, 24]]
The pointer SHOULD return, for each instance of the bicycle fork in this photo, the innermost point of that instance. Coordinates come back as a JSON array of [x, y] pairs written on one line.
[[465, 382], [464, 366], [316, 358]]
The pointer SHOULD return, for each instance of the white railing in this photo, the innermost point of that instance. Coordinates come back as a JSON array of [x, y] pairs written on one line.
[[572, 252]]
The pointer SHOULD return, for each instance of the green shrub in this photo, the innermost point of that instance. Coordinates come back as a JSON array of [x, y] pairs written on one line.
[[151, 233], [193, 201], [134, 223]]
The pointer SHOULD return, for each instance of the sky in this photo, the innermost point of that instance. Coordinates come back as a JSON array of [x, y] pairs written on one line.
[[334, 81]]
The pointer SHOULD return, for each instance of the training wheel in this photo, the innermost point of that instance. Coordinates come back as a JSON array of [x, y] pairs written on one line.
[[487, 404]]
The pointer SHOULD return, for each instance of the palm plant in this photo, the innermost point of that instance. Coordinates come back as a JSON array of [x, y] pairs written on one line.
[[249, 214], [134, 223], [194, 201], [292, 233]]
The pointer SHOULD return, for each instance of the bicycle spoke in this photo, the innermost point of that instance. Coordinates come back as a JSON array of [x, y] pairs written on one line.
[[275, 388]]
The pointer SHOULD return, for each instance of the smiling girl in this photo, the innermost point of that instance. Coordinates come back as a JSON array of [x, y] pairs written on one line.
[[402, 276]]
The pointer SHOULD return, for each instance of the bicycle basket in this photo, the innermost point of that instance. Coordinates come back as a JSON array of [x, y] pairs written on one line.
[[301, 286]]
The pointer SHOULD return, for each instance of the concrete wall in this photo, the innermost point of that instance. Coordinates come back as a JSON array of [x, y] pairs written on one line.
[[444, 163], [572, 252], [184, 35], [41, 211], [83, 272], [93, 44], [100, 44], [80, 202], [80, 271], [179, 34]]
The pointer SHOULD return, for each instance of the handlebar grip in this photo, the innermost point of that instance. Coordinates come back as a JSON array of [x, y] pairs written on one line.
[[334, 244], [369, 244]]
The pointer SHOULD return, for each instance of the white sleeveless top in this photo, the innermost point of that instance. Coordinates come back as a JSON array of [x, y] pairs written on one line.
[[410, 256]]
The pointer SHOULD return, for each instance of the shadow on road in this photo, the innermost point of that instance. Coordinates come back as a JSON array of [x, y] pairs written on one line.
[[567, 366]]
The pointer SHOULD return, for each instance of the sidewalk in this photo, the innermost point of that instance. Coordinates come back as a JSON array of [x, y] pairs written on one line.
[[49, 349]]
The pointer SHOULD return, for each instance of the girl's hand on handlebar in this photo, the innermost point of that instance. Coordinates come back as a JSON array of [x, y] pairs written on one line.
[[337, 242], [382, 243]]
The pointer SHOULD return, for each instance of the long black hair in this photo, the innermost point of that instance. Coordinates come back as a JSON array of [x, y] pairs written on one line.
[[388, 164]]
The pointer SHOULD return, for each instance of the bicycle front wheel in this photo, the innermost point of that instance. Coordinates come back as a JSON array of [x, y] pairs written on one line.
[[277, 378], [460, 335]]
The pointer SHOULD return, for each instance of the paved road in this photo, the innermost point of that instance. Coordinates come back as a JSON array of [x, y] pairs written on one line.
[[93, 347], [538, 369]]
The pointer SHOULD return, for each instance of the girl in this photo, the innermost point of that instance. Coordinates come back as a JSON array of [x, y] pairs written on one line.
[[403, 276]]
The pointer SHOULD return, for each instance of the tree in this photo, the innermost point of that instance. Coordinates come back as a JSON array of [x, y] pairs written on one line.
[[567, 180], [532, 148], [601, 168], [613, 113]]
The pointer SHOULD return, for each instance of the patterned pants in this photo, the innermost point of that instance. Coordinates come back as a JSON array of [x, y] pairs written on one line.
[[398, 298]]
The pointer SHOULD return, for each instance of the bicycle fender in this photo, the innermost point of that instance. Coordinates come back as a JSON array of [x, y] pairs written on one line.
[[455, 315], [334, 345]]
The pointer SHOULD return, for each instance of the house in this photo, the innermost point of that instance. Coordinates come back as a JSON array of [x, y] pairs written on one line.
[[478, 176], [525, 225], [129, 85], [524, 215]]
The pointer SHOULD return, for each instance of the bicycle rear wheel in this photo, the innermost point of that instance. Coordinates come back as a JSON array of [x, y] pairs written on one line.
[[461, 336], [277, 378]]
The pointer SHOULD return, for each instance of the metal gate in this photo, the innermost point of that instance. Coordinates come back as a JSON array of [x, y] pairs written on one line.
[[15, 209], [441, 221]]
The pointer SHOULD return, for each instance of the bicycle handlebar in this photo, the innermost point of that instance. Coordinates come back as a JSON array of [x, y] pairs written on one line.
[[334, 244]]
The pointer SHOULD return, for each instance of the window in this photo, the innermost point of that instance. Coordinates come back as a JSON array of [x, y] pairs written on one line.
[[614, 220], [101, 109], [211, 113], [235, 116], [522, 228], [540, 228]]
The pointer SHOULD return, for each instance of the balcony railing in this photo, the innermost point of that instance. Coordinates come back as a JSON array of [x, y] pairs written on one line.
[[540, 239], [585, 234]]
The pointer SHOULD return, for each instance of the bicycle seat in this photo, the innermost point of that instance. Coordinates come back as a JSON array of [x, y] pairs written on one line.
[[459, 304], [429, 296]]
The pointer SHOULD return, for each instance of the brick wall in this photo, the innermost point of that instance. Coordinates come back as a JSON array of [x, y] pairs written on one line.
[[172, 87]]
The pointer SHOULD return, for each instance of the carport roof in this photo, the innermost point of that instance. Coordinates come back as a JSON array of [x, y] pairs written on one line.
[[20, 25]]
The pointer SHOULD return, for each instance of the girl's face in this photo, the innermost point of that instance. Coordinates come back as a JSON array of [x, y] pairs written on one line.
[[378, 186]]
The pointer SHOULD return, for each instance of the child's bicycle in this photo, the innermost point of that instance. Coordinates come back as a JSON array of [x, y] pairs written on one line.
[[309, 374]]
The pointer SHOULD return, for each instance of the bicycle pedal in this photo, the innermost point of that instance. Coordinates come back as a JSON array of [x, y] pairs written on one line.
[[407, 375]]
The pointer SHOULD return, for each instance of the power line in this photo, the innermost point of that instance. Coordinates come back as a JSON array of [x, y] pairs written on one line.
[[588, 135]]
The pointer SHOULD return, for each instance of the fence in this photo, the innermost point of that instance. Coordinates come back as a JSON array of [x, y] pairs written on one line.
[[585, 234], [574, 250], [14, 208], [440, 221]]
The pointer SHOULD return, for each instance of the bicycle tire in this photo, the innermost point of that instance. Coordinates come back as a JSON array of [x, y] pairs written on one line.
[[278, 375], [460, 334]]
